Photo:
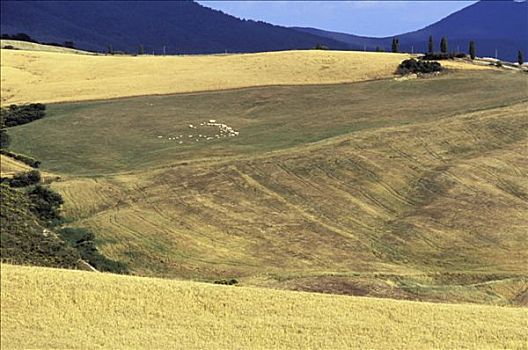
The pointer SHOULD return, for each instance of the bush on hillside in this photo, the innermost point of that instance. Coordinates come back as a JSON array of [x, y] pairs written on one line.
[[4, 138], [229, 282], [25, 179], [83, 241], [17, 115], [45, 203], [438, 56], [413, 66]]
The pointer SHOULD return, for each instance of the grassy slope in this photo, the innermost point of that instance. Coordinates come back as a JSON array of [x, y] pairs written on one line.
[[33, 76], [27, 46], [122, 135], [10, 166], [24, 240], [109, 311], [399, 198]]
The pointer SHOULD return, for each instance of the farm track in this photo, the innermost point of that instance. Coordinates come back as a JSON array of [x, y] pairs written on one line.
[[194, 209], [348, 188]]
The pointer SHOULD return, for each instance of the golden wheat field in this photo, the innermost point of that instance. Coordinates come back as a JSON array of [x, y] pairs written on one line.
[[38, 76], [52, 308]]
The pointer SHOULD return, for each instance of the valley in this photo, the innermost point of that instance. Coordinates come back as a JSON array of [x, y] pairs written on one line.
[[383, 188], [346, 207]]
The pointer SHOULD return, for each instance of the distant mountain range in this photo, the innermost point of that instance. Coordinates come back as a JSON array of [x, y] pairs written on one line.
[[188, 27], [179, 26], [495, 26]]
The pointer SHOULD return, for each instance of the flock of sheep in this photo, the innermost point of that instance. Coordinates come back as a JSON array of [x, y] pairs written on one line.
[[223, 131]]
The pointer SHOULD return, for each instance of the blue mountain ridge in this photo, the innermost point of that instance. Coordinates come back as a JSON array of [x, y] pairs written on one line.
[[186, 27]]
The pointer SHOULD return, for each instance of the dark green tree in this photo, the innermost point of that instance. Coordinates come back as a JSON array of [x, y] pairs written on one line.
[[443, 45], [31, 177], [520, 58], [472, 50], [4, 138], [431, 44], [45, 203], [395, 45]]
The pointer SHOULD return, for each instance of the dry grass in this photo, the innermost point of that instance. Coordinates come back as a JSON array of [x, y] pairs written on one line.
[[394, 195], [28, 46], [33, 76], [10, 166], [46, 308]]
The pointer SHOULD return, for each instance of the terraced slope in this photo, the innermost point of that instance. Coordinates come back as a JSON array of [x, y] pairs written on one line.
[[109, 311], [32, 76], [356, 189]]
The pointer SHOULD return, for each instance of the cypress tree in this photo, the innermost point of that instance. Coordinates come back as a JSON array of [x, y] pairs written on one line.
[[472, 50], [443, 45], [431, 44], [395, 45], [520, 58]]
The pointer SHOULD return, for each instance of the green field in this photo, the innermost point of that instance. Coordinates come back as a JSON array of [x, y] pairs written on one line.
[[410, 189], [120, 135]]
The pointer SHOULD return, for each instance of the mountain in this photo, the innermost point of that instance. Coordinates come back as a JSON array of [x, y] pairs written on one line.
[[493, 25], [180, 26]]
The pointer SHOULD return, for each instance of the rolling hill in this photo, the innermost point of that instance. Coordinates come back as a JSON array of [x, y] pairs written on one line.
[[44, 72], [376, 182], [182, 27], [47, 308], [493, 25]]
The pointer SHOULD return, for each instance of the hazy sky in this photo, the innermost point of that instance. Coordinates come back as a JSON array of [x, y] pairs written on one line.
[[371, 18]]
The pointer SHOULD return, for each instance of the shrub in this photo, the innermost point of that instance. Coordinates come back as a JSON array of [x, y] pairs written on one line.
[[4, 138], [437, 56], [83, 241], [229, 282], [413, 66], [9, 47], [45, 203], [17, 115], [25, 179]]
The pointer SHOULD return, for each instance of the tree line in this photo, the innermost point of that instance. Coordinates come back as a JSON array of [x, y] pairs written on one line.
[[27, 38], [444, 50]]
